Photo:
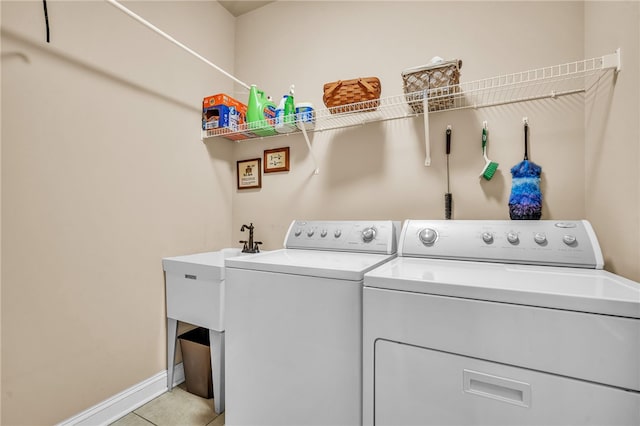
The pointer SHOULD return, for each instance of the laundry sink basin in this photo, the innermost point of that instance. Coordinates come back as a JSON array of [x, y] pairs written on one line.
[[195, 287], [195, 294]]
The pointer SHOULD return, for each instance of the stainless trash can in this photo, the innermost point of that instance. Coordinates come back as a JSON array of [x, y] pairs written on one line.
[[196, 359]]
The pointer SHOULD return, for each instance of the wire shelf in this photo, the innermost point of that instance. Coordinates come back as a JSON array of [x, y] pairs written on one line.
[[547, 82]]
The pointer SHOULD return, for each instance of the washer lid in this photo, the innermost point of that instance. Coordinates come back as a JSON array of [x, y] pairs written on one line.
[[314, 263], [574, 289]]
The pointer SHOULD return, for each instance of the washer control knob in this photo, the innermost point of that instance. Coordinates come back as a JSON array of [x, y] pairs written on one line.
[[297, 232], [487, 237], [323, 233], [513, 238], [569, 239], [337, 233], [540, 238], [310, 233], [428, 236], [368, 234]]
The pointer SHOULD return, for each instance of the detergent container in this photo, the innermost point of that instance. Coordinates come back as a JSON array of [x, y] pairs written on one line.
[[261, 113], [305, 115]]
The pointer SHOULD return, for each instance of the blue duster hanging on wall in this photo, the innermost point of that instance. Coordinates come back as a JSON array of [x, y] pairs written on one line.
[[525, 202]]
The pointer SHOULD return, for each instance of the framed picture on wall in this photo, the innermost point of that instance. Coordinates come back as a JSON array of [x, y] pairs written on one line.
[[276, 160], [249, 173]]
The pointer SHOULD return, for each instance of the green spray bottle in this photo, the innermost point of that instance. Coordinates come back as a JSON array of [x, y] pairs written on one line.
[[286, 114], [290, 109], [260, 113]]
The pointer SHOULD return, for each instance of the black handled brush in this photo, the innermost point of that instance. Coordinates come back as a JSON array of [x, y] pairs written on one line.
[[448, 199]]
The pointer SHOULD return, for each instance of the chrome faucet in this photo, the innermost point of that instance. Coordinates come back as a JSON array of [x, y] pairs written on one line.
[[250, 246]]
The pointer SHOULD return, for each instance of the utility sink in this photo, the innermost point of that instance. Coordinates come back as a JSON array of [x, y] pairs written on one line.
[[195, 295], [195, 287]]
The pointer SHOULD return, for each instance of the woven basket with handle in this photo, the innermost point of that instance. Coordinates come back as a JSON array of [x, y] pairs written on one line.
[[442, 76], [360, 94]]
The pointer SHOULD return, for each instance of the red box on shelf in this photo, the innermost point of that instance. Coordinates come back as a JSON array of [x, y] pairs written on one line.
[[222, 111]]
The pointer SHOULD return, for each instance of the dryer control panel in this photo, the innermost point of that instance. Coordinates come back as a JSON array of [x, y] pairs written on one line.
[[377, 236], [531, 242]]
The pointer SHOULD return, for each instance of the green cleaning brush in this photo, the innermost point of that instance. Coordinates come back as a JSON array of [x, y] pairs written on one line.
[[490, 167]]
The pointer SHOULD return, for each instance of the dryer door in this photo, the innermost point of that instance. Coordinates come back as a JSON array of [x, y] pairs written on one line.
[[419, 386]]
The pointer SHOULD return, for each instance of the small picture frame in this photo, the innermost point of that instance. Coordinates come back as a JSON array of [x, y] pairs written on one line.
[[249, 173], [276, 160]]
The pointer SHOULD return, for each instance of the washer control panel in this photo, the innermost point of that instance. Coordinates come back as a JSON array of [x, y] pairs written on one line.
[[378, 236], [534, 242]]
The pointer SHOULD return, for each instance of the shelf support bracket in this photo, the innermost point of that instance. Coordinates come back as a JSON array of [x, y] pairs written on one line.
[[427, 142], [306, 139], [157, 30], [612, 60]]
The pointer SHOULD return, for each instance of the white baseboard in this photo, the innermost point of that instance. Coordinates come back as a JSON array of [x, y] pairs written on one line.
[[126, 401]]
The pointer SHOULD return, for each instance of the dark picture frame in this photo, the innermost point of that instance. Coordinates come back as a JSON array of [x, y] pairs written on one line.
[[249, 173]]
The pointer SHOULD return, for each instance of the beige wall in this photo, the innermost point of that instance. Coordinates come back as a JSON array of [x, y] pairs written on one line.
[[612, 123], [103, 174], [377, 170], [589, 156]]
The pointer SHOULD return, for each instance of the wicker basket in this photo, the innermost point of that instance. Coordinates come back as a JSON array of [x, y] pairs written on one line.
[[440, 76], [360, 94]]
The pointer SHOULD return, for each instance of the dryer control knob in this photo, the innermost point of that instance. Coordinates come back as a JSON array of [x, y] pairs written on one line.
[[569, 239], [513, 238], [310, 233], [323, 233], [297, 232], [487, 237], [337, 233], [368, 234], [540, 238], [428, 236]]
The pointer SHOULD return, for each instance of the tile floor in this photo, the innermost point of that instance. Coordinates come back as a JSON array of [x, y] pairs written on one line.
[[177, 407]]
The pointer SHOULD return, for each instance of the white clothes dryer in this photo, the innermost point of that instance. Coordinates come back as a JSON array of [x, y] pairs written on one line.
[[501, 323], [294, 324]]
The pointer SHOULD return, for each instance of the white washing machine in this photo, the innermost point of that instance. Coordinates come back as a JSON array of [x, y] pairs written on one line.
[[500, 323], [294, 325]]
